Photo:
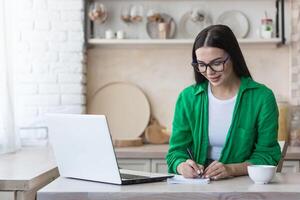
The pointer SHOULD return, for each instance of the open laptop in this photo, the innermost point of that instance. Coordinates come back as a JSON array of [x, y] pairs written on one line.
[[83, 149]]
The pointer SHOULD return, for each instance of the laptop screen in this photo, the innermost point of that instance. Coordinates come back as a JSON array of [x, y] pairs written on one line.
[[83, 147]]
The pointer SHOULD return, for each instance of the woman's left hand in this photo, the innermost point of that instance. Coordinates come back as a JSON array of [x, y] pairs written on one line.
[[217, 170]]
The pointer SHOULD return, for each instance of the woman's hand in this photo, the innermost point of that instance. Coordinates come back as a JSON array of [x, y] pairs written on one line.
[[190, 169], [217, 170]]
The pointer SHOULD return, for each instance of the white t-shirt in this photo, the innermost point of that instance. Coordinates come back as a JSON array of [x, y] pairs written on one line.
[[220, 115]]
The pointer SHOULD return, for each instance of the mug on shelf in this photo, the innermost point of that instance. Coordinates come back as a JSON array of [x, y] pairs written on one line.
[[109, 34], [120, 34]]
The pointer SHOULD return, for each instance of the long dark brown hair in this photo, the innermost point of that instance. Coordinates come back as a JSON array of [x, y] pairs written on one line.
[[222, 37]]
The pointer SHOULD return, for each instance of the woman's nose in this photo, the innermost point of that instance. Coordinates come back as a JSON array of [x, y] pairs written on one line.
[[209, 71]]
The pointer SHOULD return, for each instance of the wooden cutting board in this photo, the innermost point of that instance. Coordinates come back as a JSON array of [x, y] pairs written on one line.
[[128, 142], [126, 107]]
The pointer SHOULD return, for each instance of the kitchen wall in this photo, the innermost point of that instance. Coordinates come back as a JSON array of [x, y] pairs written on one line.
[[51, 73], [162, 72], [295, 54], [50, 70]]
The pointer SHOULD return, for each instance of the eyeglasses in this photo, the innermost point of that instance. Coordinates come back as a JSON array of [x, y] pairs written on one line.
[[216, 66]]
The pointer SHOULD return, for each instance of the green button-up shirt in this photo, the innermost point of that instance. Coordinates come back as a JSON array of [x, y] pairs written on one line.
[[252, 136]]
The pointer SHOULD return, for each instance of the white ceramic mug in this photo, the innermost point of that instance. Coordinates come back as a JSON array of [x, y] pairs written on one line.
[[109, 34], [120, 34], [261, 174]]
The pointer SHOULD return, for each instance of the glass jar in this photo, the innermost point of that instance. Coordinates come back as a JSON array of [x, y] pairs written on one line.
[[266, 28]]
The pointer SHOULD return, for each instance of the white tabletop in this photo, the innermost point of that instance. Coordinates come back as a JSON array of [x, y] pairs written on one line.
[[284, 186], [26, 168]]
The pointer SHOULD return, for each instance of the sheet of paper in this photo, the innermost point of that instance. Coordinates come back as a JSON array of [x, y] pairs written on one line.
[[178, 179]]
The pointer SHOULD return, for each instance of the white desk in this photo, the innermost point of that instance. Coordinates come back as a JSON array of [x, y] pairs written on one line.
[[284, 186], [24, 172]]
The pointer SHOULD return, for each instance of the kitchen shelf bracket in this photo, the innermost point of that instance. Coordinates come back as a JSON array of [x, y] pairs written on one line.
[[280, 30]]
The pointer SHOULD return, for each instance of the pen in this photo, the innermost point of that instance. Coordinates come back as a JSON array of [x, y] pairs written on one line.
[[192, 158]]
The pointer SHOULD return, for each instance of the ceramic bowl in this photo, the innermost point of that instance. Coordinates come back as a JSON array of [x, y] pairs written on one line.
[[261, 174]]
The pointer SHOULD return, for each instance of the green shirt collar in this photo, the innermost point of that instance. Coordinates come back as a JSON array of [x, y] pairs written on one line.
[[246, 83]]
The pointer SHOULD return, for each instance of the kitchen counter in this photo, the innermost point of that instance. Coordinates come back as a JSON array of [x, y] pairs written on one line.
[[293, 153], [24, 172], [284, 186], [160, 151]]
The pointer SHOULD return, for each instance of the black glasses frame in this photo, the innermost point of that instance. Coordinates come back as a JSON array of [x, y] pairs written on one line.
[[196, 65]]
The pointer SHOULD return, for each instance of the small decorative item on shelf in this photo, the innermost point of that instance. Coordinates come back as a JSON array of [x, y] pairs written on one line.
[[109, 34], [125, 14], [163, 29], [97, 12], [120, 34], [132, 14], [136, 13], [160, 26], [196, 15], [153, 15], [266, 29], [193, 21]]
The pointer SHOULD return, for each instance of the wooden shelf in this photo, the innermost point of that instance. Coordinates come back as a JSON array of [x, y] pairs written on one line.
[[95, 41]]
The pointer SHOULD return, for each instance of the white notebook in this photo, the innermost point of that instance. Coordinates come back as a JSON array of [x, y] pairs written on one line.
[[178, 179]]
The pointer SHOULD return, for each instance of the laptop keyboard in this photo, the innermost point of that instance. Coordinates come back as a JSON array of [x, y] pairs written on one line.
[[131, 176]]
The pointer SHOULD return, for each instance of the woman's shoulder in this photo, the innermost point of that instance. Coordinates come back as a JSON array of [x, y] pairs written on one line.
[[259, 89]]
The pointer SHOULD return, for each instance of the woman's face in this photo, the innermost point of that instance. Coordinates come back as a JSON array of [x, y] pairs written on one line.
[[219, 60]]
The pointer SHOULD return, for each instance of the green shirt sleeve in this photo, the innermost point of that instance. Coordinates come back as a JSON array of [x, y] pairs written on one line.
[[267, 150], [181, 137]]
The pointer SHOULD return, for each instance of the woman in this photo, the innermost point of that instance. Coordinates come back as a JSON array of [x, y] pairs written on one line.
[[226, 119]]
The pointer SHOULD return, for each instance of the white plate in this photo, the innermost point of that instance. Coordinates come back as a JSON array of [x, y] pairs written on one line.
[[126, 107], [190, 28], [237, 21]]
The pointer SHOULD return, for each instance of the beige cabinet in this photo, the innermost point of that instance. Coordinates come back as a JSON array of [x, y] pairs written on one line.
[[291, 166], [135, 164], [150, 158], [159, 166], [7, 195], [147, 165]]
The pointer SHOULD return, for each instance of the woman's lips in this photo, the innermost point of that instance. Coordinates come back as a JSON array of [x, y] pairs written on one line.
[[214, 79]]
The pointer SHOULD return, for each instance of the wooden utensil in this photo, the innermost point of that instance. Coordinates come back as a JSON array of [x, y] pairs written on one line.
[[283, 119], [156, 133]]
